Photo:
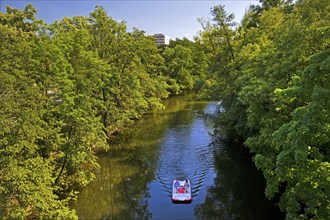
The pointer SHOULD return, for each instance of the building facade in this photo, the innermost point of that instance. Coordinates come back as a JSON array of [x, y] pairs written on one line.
[[162, 39]]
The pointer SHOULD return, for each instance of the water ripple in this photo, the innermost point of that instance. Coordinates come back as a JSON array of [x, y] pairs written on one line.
[[187, 153]]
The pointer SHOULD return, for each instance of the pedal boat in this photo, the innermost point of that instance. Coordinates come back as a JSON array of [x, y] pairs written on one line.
[[181, 193]]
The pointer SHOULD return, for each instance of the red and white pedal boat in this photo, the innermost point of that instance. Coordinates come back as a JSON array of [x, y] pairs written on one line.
[[181, 191]]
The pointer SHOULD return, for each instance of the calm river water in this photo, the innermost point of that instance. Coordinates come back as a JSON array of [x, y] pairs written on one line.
[[134, 180]]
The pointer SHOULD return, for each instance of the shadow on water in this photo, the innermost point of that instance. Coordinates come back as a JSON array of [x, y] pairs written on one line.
[[238, 189], [117, 191]]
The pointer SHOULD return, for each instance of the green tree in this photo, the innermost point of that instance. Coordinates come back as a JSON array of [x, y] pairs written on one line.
[[199, 57], [133, 66], [303, 162], [273, 94], [75, 113], [26, 171], [218, 36], [178, 63]]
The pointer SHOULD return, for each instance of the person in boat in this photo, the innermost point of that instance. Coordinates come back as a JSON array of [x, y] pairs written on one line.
[[186, 185], [176, 185]]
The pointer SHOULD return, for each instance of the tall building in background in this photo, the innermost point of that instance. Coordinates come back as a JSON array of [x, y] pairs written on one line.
[[162, 39]]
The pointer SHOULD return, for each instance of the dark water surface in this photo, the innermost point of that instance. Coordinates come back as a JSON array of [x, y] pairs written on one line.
[[134, 180]]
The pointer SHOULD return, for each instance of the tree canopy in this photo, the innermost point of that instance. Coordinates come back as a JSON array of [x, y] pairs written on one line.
[[275, 89], [67, 90]]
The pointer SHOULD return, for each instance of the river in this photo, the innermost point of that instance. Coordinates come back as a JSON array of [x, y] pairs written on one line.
[[134, 179]]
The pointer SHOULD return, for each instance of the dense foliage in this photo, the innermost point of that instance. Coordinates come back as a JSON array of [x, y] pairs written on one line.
[[66, 90], [272, 75]]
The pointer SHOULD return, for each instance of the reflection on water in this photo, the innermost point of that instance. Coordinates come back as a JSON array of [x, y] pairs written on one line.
[[134, 181], [238, 189]]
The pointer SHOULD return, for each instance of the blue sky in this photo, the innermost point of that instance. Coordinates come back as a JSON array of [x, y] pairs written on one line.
[[176, 19]]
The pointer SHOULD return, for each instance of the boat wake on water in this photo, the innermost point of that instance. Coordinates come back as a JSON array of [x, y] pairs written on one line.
[[187, 153], [195, 167]]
